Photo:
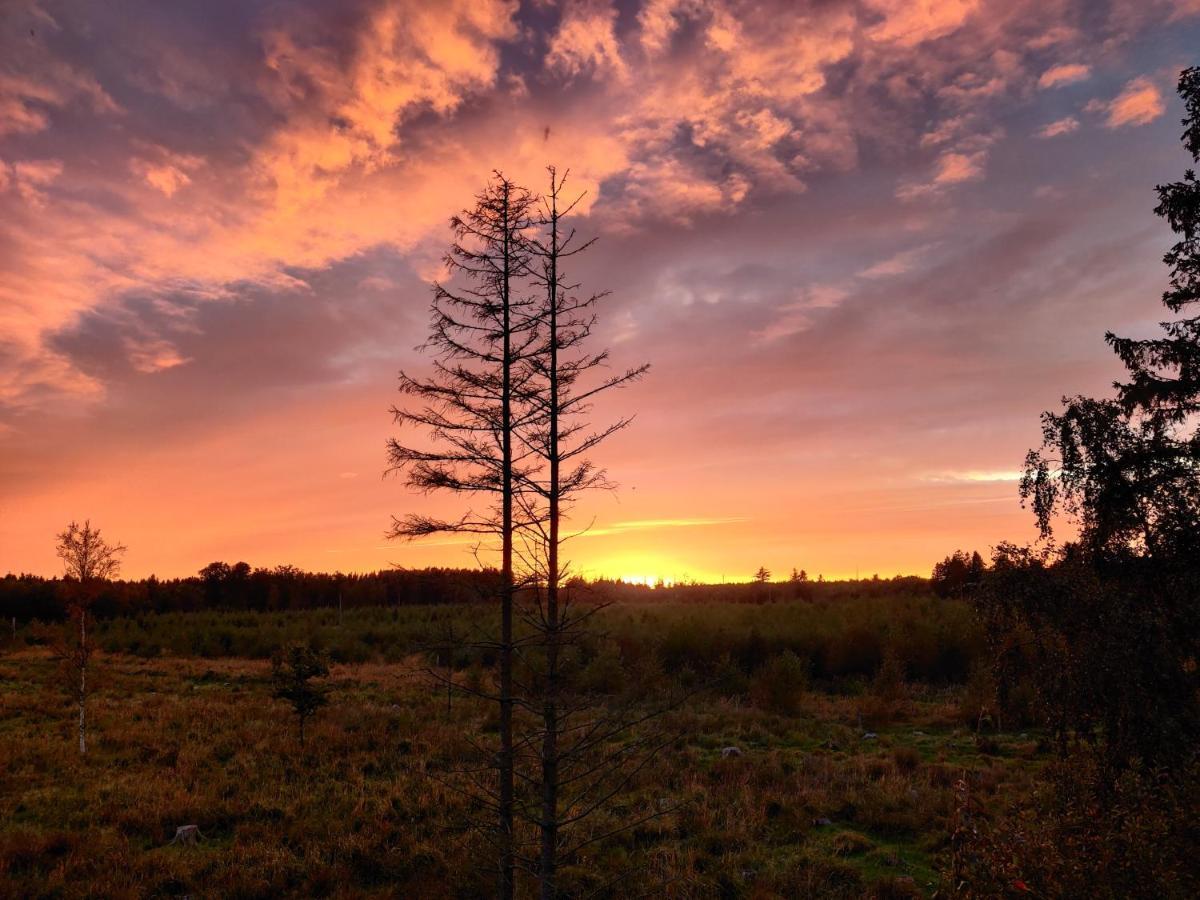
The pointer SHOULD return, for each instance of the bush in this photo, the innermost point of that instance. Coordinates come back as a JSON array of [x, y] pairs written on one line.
[[978, 700], [605, 672], [1082, 838], [779, 685]]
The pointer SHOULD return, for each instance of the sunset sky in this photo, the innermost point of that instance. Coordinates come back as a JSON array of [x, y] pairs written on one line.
[[862, 244]]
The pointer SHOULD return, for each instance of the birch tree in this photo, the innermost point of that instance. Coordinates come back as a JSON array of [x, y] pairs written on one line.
[[88, 561]]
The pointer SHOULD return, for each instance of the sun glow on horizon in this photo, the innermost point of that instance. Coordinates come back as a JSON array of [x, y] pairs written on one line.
[[647, 580]]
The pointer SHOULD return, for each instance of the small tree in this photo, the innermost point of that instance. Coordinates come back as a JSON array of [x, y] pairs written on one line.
[[293, 670], [88, 561], [763, 575]]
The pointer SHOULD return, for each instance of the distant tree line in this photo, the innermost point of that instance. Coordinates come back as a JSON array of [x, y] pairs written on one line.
[[221, 586], [238, 586]]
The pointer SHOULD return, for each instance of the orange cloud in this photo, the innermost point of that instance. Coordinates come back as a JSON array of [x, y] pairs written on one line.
[[1139, 103]]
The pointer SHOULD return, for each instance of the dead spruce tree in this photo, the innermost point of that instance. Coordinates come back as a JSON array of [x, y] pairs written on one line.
[[88, 561], [481, 336], [574, 774]]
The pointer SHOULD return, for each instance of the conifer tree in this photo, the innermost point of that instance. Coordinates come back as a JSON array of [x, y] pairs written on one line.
[[482, 333], [1123, 601], [564, 378]]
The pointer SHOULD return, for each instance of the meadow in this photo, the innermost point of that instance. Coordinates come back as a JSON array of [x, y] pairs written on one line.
[[860, 726]]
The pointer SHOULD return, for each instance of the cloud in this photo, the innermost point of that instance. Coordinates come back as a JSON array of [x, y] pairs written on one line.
[[407, 57], [31, 177], [799, 315], [165, 171], [952, 168], [33, 85], [1059, 127], [898, 264], [1064, 74], [955, 168], [153, 355], [974, 476], [268, 140], [660, 525], [585, 40], [660, 19], [911, 22], [1139, 103]]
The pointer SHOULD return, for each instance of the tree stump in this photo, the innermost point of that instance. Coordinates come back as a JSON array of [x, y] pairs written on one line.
[[187, 834]]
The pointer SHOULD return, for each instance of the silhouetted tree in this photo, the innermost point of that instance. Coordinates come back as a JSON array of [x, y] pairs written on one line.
[[564, 378], [1110, 623], [1128, 470], [292, 672], [957, 574], [481, 334], [763, 575], [88, 560]]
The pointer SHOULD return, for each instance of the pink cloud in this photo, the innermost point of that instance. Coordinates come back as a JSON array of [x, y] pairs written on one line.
[[1139, 103], [1064, 74], [1059, 127], [585, 40], [952, 168], [910, 22], [165, 171]]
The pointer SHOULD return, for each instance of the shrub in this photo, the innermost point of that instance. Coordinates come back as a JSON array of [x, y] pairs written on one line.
[[979, 696], [848, 843], [293, 669], [605, 672], [779, 685]]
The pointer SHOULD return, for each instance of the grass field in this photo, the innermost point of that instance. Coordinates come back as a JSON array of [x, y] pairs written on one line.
[[814, 805]]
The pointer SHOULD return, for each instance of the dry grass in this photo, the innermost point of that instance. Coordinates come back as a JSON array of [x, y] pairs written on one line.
[[357, 813]]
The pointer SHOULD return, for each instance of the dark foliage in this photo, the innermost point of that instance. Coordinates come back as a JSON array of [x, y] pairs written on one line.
[[239, 588], [957, 574], [1116, 616], [292, 672], [1109, 625]]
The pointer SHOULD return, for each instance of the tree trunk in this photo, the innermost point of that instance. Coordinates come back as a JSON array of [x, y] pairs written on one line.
[[507, 861], [82, 681], [548, 868], [450, 675]]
